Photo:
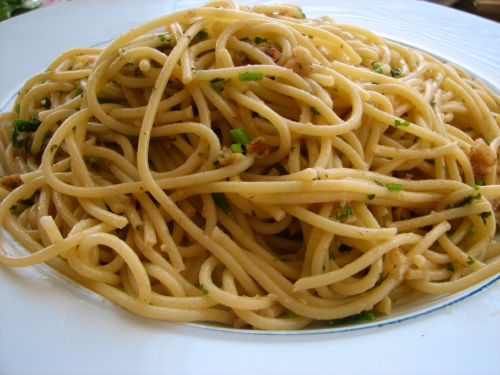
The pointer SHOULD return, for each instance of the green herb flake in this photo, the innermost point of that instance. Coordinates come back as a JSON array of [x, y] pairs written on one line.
[[315, 111], [331, 256], [468, 200], [217, 88], [17, 108], [378, 183], [469, 233], [363, 316], [52, 148], [201, 35], [377, 66], [486, 214], [478, 184], [398, 123], [291, 314], [220, 200], [164, 38], [163, 48], [251, 76], [237, 148], [471, 261], [28, 126], [202, 288], [345, 211], [259, 40], [370, 196], [450, 267], [220, 80], [78, 91], [20, 126], [395, 72], [239, 135], [96, 159], [394, 187]]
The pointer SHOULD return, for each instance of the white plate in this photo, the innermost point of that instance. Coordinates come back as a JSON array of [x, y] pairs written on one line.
[[50, 326]]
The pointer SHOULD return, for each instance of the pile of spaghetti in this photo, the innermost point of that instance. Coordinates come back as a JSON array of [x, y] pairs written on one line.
[[254, 167]]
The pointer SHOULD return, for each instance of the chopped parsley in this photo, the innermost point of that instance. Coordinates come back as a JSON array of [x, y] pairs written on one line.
[[164, 38], [468, 200], [220, 200], [477, 184], [394, 187], [202, 34], [377, 66], [202, 288], [363, 316], [218, 79], [251, 76], [344, 211], [78, 91], [395, 72], [315, 111], [486, 214], [217, 88], [240, 136], [96, 159], [398, 123], [23, 126], [237, 148]]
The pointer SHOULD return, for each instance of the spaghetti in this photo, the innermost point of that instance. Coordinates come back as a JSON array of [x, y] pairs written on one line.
[[253, 167]]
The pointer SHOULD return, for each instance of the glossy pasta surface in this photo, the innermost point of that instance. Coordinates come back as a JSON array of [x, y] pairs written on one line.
[[254, 168]]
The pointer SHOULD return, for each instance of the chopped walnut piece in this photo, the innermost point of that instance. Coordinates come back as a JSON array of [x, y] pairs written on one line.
[[482, 157], [272, 52], [301, 61], [258, 147], [11, 181]]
